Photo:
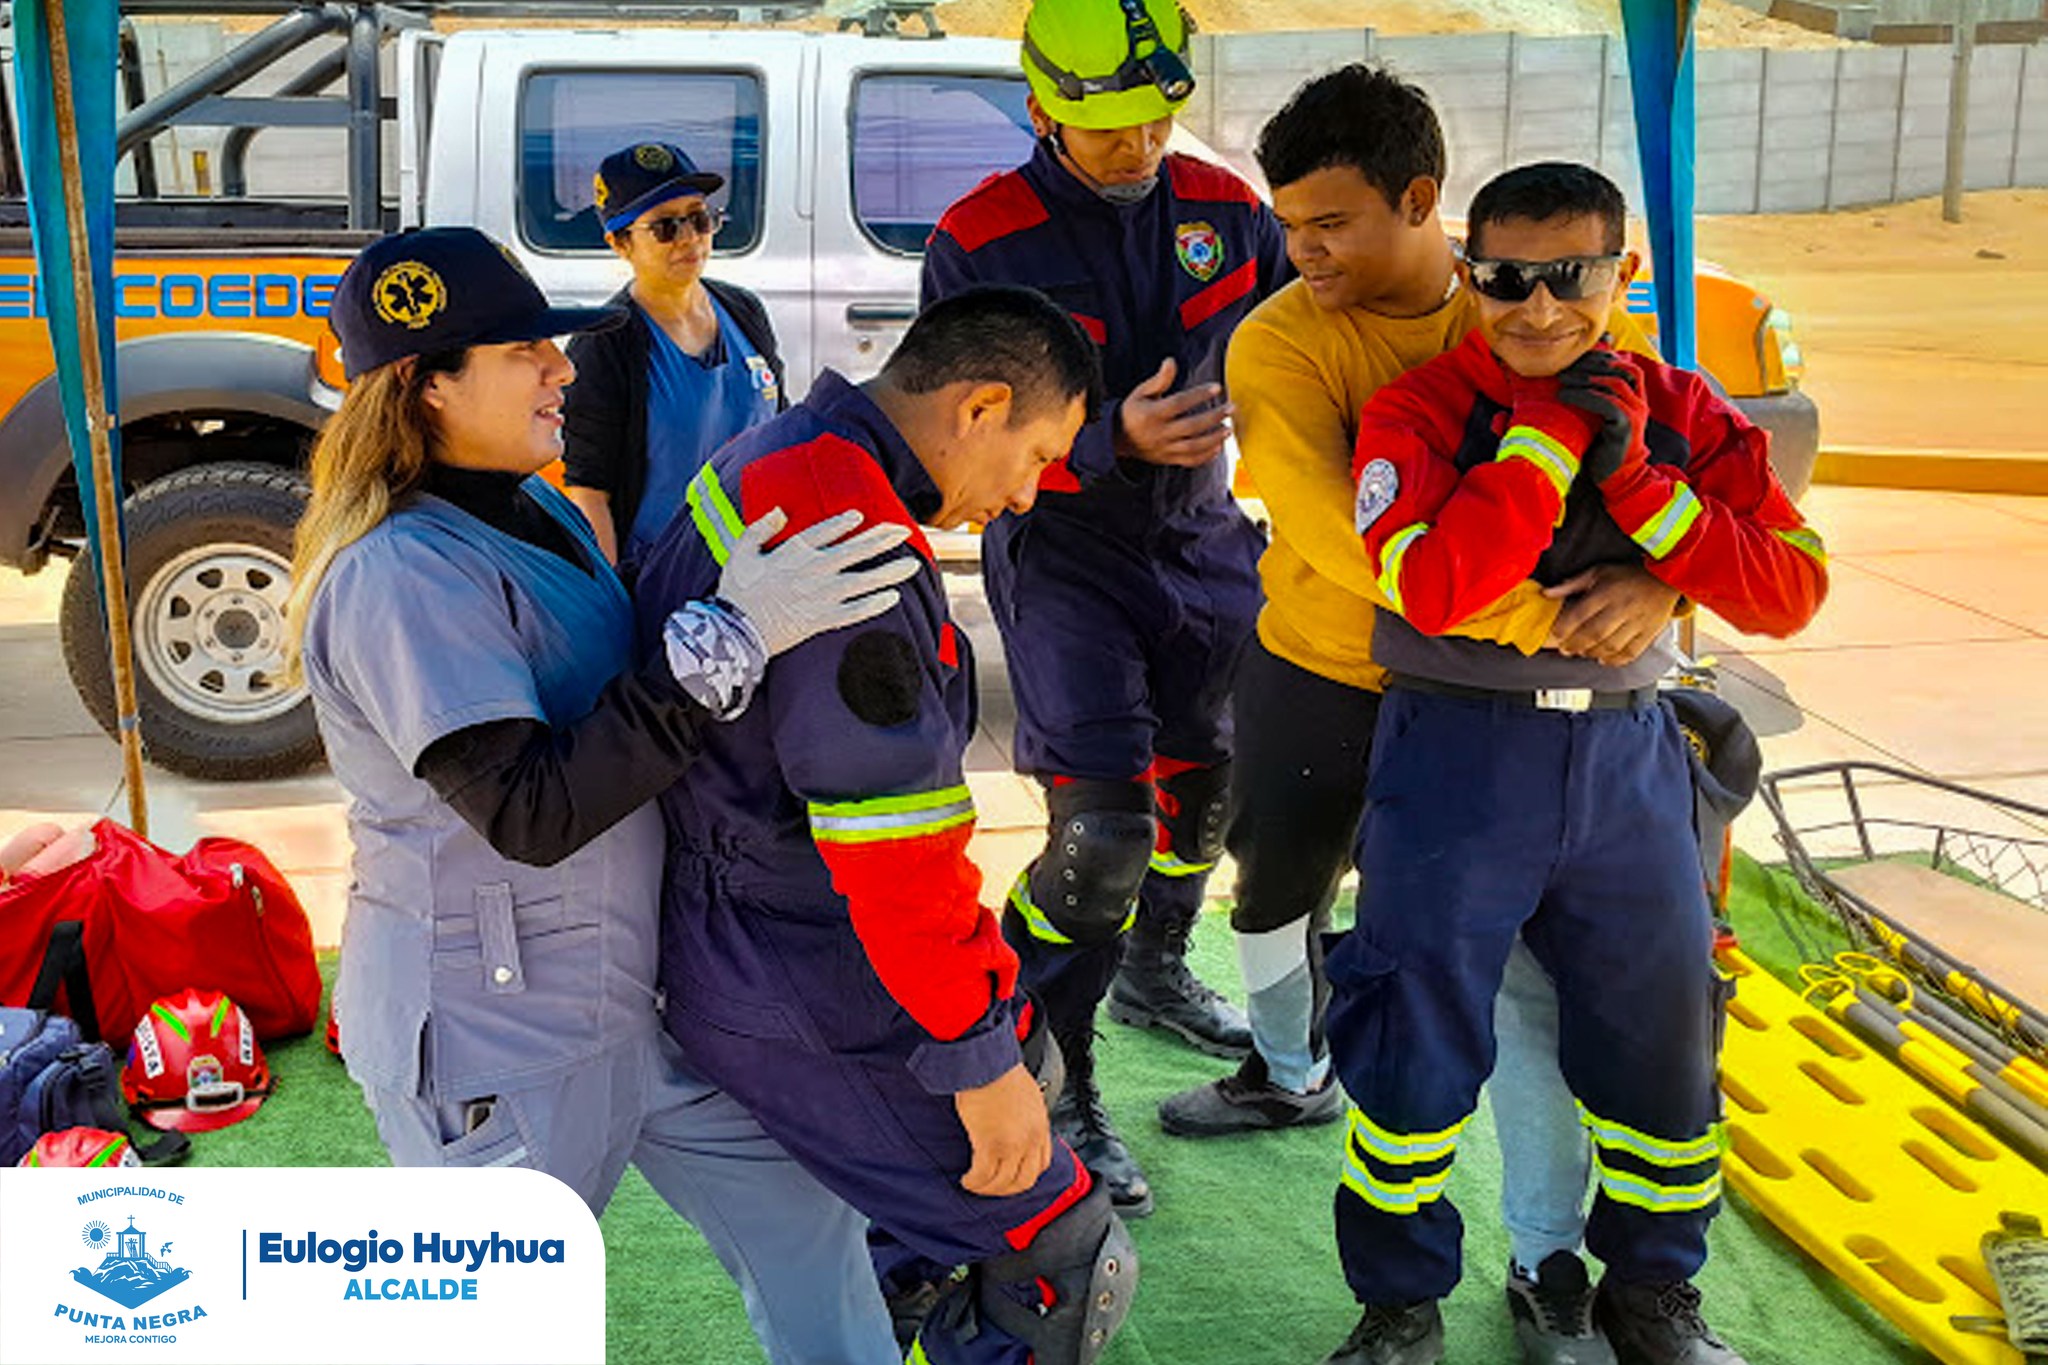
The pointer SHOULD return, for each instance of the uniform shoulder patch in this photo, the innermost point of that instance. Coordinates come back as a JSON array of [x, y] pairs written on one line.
[[1198, 180], [997, 207], [1378, 485], [819, 479], [880, 679]]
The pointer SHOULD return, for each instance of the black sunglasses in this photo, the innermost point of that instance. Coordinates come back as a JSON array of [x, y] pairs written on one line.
[[1162, 66], [1568, 278], [703, 222]]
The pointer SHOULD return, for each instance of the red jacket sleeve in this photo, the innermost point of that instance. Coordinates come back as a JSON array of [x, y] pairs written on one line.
[[1446, 546], [1721, 530], [866, 741]]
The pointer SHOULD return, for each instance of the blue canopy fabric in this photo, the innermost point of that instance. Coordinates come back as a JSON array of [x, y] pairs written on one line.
[[92, 32], [1658, 35]]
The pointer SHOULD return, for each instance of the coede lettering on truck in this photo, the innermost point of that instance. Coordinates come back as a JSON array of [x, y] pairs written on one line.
[[184, 295], [839, 152]]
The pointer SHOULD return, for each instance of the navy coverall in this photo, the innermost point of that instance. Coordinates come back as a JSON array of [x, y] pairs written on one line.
[[1541, 795], [824, 951], [1125, 595]]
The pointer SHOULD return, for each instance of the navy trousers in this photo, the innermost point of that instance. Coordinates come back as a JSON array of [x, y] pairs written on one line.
[[1120, 650], [1575, 830], [784, 1013]]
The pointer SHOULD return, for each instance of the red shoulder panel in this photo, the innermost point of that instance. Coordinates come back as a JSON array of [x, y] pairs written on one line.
[[1238, 284], [1206, 182], [997, 207], [819, 479]]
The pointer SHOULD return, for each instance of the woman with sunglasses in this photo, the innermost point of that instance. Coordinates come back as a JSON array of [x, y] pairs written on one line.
[[694, 366], [472, 660]]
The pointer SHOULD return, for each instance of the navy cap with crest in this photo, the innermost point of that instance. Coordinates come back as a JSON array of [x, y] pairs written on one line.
[[634, 179], [443, 289]]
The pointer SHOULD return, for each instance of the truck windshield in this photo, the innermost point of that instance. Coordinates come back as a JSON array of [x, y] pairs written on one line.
[[920, 141], [569, 121]]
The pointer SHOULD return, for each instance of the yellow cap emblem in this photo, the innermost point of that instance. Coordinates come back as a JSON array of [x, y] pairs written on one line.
[[652, 156], [408, 295], [598, 189]]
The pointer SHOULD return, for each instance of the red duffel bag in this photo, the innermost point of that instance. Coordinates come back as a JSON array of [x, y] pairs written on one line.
[[102, 938]]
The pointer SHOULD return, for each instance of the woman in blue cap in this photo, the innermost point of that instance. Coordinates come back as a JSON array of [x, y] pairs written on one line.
[[471, 658], [694, 365]]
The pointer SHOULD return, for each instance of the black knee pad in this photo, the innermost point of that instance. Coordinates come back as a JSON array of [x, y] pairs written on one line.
[[1087, 1256], [1042, 1055], [1194, 806], [1084, 887]]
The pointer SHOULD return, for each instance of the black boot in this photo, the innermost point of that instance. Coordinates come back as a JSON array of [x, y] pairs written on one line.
[[1658, 1324], [1393, 1334], [1079, 1119], [1154, 989]]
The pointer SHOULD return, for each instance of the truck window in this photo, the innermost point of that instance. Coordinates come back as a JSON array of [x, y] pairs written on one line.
[[920, 141], [569, 121]]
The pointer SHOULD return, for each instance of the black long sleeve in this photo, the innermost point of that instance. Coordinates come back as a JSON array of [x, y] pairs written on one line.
[[539, 793]]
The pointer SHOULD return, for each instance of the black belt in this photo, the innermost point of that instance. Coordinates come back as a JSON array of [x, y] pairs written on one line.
[[1534, 699]]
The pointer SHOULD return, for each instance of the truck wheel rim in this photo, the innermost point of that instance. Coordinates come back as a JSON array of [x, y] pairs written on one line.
[[210, 633]]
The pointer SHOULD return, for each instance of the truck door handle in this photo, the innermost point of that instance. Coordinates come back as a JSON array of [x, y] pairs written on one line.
[[872, 315]]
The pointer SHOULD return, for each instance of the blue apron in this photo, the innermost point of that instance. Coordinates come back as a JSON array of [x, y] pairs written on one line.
[[693, 408], [464, 973]]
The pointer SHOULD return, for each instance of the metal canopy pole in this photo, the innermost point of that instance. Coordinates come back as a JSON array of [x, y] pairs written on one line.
[[365, 127], [99, 423]]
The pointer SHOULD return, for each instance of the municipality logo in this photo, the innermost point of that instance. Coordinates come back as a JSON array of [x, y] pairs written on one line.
[[129, 1273]]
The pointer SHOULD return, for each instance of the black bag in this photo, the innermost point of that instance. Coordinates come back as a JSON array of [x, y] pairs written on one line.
[[51, 1079]]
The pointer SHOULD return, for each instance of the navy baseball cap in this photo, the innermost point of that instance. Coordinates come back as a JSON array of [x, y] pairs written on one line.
[[442, 289], [631, 181]]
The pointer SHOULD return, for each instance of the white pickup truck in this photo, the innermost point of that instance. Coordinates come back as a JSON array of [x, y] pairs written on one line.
[[839, 152]]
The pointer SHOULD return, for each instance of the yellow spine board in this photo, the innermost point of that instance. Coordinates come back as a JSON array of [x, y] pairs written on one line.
[[1865, 1168]]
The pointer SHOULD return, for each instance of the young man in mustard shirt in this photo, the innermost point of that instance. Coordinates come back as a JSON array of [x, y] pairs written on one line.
[[1356, 161]]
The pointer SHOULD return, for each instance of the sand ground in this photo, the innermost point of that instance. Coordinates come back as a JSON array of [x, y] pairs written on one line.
[[1917, 333]]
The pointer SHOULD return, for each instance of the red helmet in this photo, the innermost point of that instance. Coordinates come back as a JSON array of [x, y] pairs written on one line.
[[80, 1147], [194, 1064]]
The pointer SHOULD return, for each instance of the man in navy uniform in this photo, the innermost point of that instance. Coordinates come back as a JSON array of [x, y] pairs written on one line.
[[1126, 595]]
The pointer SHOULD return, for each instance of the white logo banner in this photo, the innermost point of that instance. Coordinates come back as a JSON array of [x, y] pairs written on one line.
[[298, 1267]]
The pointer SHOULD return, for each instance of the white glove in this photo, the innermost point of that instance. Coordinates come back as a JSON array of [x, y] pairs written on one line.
[[809, 584]]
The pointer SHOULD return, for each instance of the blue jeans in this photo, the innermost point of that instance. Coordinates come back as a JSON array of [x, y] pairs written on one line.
[[1543, 1153]]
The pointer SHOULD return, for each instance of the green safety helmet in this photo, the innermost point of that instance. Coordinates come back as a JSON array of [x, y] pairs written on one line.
[[1108, 63]]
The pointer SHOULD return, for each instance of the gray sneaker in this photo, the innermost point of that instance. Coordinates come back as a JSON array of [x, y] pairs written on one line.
[[1553, 1313], [1658, 1324], [1393, 1334], [1248, 1102]]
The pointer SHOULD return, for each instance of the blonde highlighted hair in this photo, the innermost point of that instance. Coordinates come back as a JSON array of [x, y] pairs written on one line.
[[371, 454]]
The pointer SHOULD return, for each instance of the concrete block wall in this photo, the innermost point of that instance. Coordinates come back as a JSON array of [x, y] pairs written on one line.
[[1779, 130]]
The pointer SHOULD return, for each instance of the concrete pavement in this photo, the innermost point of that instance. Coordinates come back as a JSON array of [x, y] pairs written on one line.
[[1929, 655]]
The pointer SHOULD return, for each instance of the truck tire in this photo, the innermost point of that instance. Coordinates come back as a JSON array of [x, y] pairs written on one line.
[[209, 569]]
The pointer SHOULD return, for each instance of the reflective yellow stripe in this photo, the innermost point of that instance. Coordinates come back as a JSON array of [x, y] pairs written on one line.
[[173, 1020], [1390, 561], [1807, 541], [917, 1355], [891, 817], [713, 513], [1393, 1196], [1170, 865], [1627, 1187], [1034, 918], [1404, 1147], [1660, 535], [1544, 451], [1635, 1142]]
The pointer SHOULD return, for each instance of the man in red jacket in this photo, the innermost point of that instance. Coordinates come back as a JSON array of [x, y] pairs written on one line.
[[1540, 794]]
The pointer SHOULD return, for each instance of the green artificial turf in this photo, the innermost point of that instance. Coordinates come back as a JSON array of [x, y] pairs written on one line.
[[1239, 1266]]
